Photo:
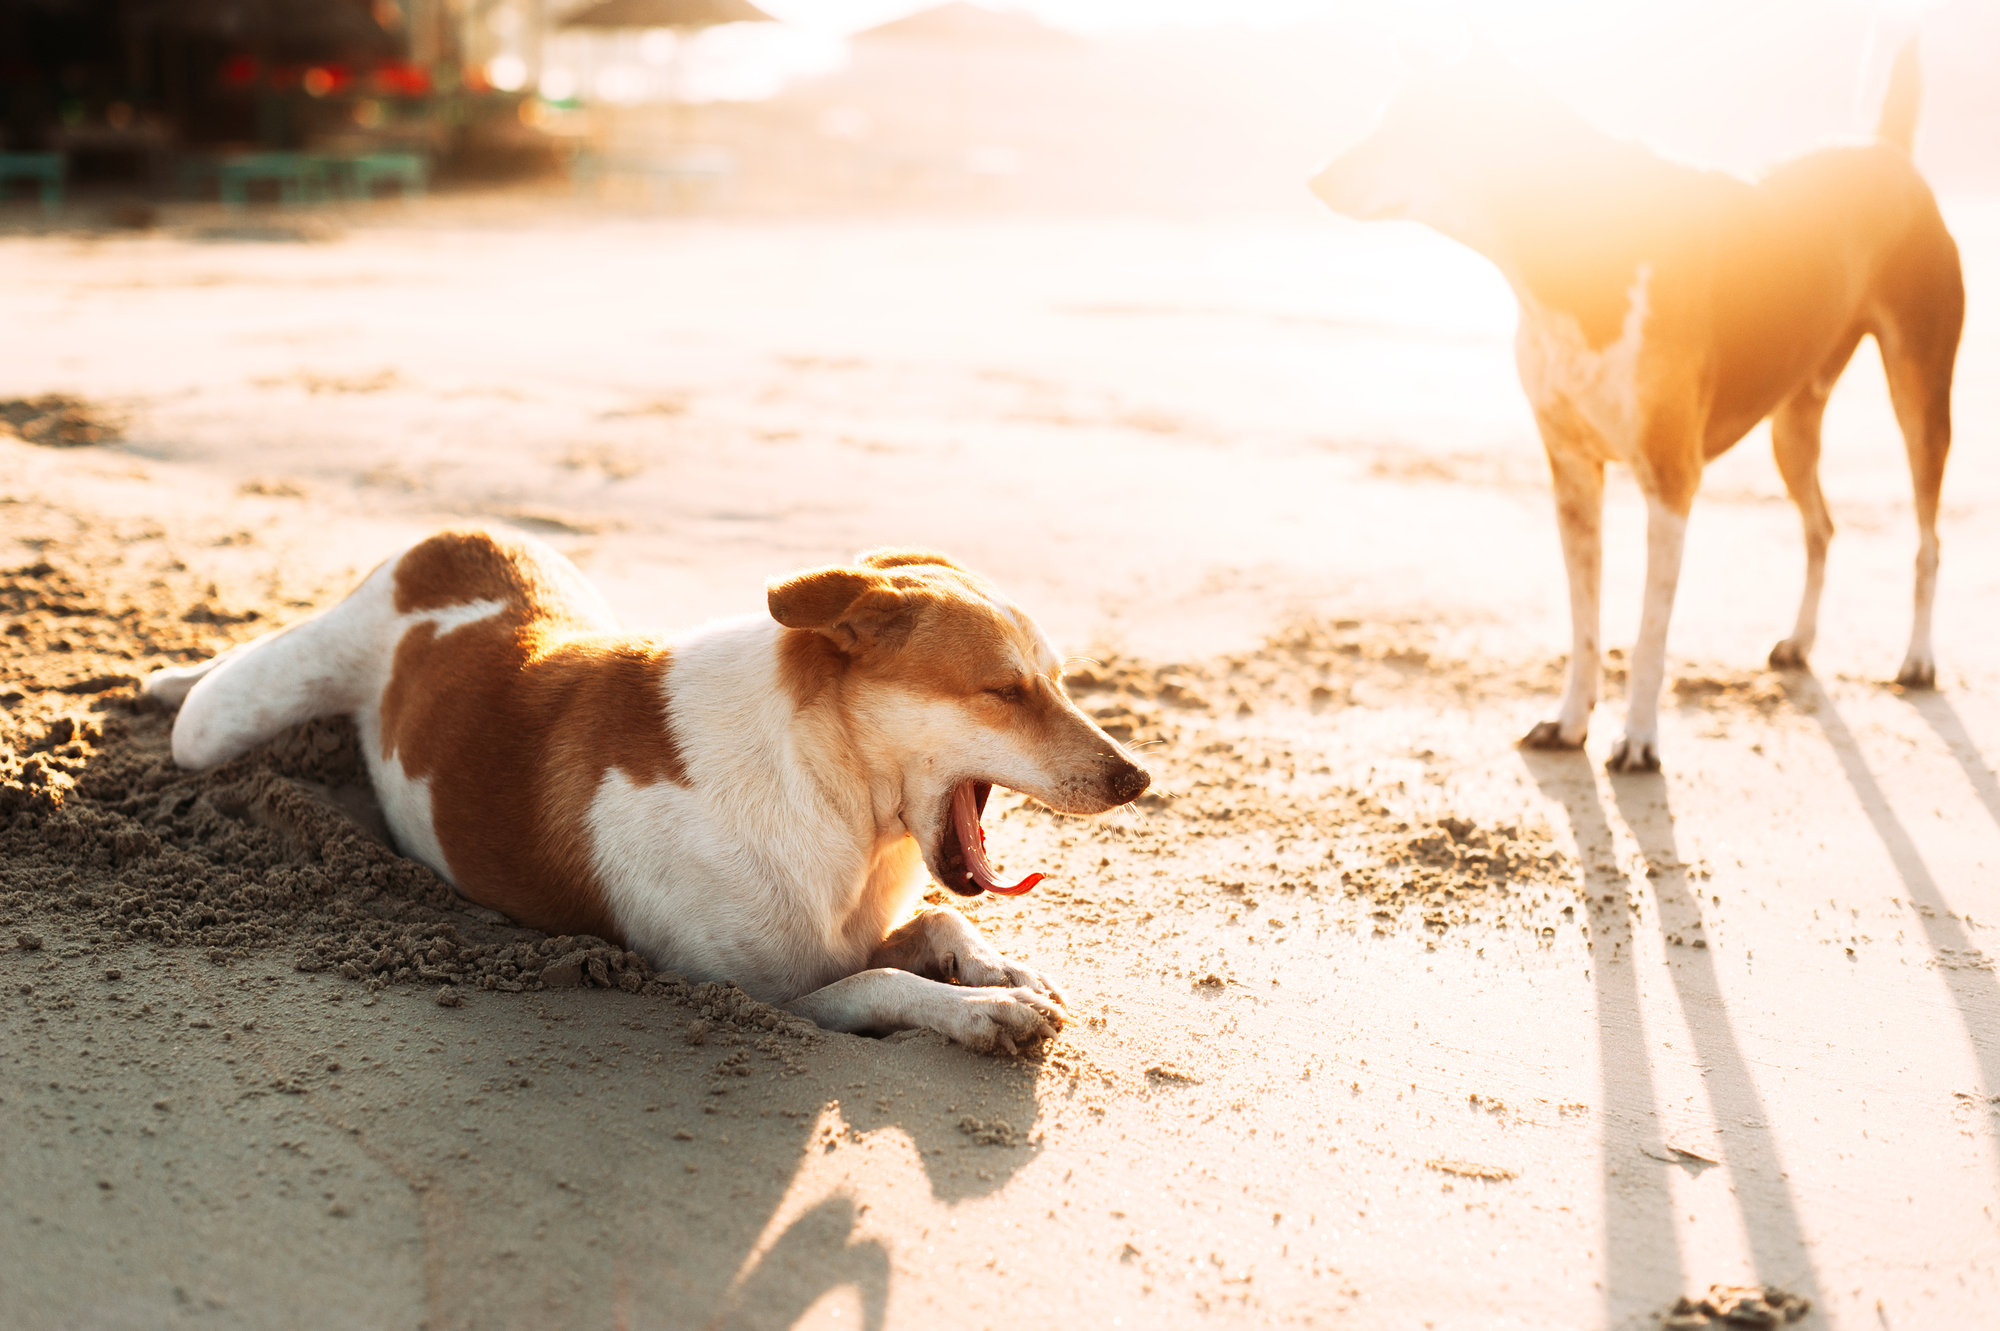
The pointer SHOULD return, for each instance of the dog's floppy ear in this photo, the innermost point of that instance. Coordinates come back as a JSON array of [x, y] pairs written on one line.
[[853, 607], [890, 557]]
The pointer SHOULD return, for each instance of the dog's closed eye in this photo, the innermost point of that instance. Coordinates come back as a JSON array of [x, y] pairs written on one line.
[[1010, 693]]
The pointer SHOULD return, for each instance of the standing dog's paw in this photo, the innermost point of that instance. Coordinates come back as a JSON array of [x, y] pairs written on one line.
[[1548, 735], [1918, 673], [1788, 655], [1632, 754], [988, 1020]]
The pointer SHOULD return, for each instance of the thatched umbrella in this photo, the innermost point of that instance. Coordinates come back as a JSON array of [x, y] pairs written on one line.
[[685, 15]]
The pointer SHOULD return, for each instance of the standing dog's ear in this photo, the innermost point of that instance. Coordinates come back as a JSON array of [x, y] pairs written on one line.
[[854, 608]]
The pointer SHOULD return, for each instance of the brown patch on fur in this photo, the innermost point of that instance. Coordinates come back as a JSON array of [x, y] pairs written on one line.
[[515, 720], [916, 620], [457, 567], [912, 615]]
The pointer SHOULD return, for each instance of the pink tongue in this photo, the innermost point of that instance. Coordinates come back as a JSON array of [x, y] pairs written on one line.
[[972, 840]]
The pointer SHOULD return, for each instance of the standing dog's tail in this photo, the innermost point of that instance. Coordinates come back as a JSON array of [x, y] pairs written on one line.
[[1898, 124]]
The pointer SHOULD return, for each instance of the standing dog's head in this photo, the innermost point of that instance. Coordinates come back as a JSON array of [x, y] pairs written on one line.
[[1458, 147], [952, 688]]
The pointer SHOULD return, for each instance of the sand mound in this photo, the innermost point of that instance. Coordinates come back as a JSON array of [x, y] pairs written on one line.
[[283, 848]]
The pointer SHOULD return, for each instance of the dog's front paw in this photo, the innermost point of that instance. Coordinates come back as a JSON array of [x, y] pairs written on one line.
[[989, 969], [1918, 672], [1788, 655], [990, 1020], [1634, 754], [1548, 735]]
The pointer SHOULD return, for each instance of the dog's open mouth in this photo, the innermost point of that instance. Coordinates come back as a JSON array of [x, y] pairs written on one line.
[[962, 863]]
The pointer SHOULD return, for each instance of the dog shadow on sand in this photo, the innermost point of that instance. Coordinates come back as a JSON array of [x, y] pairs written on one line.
[[1974, 988], [587, 1155], [1646, 1269], [1646, 1266]]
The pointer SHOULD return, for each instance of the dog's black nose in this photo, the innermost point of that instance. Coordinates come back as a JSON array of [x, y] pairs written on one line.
[[1129, 782]]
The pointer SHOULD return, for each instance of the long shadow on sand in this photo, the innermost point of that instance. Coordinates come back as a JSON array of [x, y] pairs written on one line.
[[1942, 718], [1763, 1199], [729, 1210], [1643, 1264], [1974, 989], [618, 1190], [1645, 1267]]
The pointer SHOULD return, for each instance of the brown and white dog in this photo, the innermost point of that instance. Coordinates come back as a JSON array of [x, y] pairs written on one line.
[[754, 800], [1666, 310]]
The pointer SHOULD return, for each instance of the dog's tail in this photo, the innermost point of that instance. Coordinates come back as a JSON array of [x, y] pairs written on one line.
[[1898, 124]]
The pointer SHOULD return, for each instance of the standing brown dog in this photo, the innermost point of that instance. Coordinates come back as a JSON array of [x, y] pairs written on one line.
[[1666, 310]]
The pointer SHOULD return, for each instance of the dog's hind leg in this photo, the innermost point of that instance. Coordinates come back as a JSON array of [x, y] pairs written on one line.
[[172, 685], [1917, 355], [1795, 445], [318, 667], [1579, 487]]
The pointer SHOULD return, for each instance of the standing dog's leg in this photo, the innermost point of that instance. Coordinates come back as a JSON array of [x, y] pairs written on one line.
[[1918, 362], [1579, 487], [1795, 444], [1638, 750]]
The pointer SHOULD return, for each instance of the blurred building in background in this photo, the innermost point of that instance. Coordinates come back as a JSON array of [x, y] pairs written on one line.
[[720, 103], [134, 93]]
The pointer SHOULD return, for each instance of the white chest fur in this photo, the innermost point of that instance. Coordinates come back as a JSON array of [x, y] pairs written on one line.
[[1603, 388], [768, 867]]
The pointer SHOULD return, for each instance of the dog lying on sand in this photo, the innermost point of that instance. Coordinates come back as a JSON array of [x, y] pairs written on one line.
[[756, 799], [1666, 310]]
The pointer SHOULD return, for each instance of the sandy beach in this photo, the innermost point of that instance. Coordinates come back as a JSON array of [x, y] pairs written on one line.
[[1376, 1021]]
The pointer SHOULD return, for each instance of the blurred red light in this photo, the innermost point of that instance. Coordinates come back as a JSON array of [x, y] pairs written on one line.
[[399, 78]]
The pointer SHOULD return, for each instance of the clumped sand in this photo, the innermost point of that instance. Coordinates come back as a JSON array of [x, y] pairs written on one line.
[[1738, 1308], [1378, 848], [283, 848], [58, 420]]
